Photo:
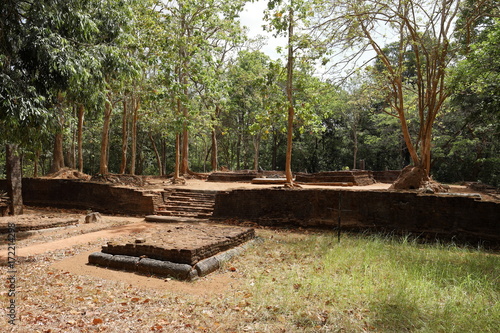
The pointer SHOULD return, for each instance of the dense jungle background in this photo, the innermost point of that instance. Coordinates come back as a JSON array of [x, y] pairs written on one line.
[[148, 87]]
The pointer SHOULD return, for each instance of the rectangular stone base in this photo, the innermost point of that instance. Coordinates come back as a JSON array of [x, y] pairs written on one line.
[[165, 268], [182, 243]]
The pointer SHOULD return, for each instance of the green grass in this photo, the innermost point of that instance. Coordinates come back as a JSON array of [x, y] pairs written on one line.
[[310, 282]]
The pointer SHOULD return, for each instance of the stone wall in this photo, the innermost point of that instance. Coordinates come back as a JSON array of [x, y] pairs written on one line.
[[85, 195], [461, 218], [354, 177], [242, 175], [387, 177]]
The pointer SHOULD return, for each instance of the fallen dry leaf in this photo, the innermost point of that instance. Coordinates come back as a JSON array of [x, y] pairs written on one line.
[[97, 321]]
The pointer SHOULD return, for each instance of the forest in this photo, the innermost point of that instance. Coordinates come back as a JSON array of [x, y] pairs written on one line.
[[178, 87]]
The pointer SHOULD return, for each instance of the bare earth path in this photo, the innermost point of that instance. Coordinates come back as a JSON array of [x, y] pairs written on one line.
[[65, 243]]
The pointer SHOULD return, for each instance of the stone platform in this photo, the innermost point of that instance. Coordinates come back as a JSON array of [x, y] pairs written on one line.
[[346, 177], [28, 222], [181, 250], [243, 175]]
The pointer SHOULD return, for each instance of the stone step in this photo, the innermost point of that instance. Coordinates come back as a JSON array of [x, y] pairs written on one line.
[[181, 200], [194, 193], [183, 197], [184, 214], [187, 209], [189, 204]]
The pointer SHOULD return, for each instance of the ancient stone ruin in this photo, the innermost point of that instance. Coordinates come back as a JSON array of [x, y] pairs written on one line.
[[346, 178], [184, 251]]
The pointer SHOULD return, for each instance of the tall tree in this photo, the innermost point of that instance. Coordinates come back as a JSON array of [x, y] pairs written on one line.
[[116, 64], [283, 19], [423, 28], [37, 62], [196, 27]]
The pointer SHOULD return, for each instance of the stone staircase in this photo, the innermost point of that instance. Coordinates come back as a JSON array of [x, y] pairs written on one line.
[[187, 203]]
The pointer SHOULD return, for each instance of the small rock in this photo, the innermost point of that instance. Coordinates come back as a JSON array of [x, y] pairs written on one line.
[[93, 217], [140, 240]]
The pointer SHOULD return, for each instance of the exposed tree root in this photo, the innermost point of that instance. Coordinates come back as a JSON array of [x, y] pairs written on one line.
[[292, 185], [415, 178]]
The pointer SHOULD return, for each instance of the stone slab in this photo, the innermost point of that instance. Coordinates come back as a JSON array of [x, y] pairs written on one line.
[[182, 243], [164, 268], [24, 223]]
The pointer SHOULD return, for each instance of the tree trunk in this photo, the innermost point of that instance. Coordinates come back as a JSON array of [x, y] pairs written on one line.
[[238, 151], [157, 154], [58, 154], [177, 156], [291, 111], [108, 108], [81, 114], [185, 151], [355, 149], [185, 135], [123, 165], [71, 154], [274, 159], [14, 179], [164, 156], [36, 163], [256, 147], [135, 118], [215, 148], [177, 166], [215, 152]]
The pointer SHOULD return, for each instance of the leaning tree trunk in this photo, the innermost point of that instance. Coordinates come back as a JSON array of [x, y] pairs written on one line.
[[14, 179]]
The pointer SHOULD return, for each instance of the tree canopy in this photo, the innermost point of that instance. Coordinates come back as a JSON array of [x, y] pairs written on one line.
[[159, 87]]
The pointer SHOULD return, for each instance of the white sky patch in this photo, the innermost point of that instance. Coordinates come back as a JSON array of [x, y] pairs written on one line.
[[253, 18]]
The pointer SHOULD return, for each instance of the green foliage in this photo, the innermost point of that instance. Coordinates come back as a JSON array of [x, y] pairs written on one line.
[[471, 129], [190, 56]]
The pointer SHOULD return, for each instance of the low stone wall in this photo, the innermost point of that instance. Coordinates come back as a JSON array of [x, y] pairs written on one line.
[[387, 177], [355, 177], [233, 176], [242, 175], [462, 218], [85, 195]]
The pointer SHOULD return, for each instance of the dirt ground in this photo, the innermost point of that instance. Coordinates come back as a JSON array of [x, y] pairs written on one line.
[[57, 291], [197, 184], [89, 237], [77, 242]]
